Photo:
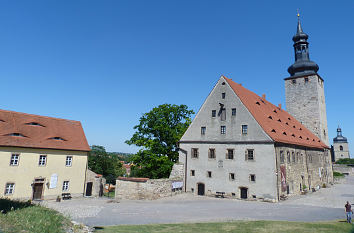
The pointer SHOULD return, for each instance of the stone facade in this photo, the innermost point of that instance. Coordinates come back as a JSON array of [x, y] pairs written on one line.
[[144, 188], [94, 184], [341, 150], [343, 168], [302, 169], [305, 100]]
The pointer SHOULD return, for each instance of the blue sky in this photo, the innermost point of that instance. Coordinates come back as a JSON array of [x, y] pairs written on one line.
[[105, 63]]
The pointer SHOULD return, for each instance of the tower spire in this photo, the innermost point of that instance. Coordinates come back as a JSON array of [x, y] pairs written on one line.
[[303, 65]]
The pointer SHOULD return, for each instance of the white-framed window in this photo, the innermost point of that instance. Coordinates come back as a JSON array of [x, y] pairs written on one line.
[[69, 161], [15, 159], [66, 185], [223, 129], [10, 188], [244, 129], [249, 155], [202, 130], [42, 160]]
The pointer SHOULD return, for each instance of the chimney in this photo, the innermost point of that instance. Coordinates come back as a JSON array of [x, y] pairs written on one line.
[[263, 96], [279, 106]]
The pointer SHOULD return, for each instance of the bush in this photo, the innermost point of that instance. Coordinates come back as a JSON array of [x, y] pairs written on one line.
[[338, 174], [345, 161], [304, 187], [7, 205]]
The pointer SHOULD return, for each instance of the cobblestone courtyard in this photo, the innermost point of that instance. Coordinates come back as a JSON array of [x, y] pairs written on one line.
[[326, 204]]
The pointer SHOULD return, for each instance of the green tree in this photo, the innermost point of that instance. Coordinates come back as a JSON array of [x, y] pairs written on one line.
[[158, 133], [101, 162]]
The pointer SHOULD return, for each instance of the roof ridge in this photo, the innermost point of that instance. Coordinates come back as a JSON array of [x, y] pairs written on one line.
[[35, 115]]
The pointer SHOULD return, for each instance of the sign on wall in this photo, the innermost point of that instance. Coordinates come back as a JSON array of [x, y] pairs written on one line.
[[53, 181], [177, 184], [283, 177]]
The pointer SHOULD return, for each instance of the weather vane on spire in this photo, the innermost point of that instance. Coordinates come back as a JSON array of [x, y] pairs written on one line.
[[298, 13]]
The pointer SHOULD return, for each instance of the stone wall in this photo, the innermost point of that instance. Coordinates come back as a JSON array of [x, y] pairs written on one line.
[[343, 168], [302, 166], [305, 100], [97, 183], [144, 188]]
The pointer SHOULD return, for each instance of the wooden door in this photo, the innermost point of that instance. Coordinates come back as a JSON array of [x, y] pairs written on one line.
[[37, 191], [243, 193], [89, 189], [201, 189]]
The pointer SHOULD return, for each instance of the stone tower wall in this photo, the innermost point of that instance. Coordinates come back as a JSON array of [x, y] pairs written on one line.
[[305, 100], [341, 154]]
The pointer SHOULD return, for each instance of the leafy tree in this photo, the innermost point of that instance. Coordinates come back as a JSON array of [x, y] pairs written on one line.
[[158, 133], [101, 162]]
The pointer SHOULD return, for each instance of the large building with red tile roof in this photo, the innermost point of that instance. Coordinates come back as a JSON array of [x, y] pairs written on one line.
[[241, 144], [41, 157]]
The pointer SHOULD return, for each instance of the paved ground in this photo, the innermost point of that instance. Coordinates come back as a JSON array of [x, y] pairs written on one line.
[[326, 204]]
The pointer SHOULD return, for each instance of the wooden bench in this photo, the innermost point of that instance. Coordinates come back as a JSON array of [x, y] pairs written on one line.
[[220, 194], [66, 196]]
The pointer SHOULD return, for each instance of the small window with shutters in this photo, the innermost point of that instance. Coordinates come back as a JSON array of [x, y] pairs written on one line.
[[230, 154], [249, 155], [211, 154], [195, 153]]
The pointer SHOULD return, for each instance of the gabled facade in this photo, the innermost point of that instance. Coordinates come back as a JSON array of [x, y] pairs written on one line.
[[41, 157], [242, 145]]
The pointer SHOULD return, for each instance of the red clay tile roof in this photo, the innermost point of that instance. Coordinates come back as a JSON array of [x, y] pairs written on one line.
[[276, 122], [26, 130]]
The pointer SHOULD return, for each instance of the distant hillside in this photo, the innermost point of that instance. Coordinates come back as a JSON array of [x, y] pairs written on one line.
[[122, 156]]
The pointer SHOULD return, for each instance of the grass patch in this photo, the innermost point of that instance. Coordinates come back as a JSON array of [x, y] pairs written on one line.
[[338, 174], [109, 194], [235, 226], [32, 218]]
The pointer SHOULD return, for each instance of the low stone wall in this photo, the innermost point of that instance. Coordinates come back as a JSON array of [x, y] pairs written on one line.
[[145, 189], [343, 168]]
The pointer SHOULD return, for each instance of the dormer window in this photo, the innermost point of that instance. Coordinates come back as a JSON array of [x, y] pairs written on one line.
[[58, 138], [35, 124], [16, 135], [270, 117], [2, 120]]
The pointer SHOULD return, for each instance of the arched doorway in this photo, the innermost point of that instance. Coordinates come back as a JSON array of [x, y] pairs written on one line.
[[201, 189], [243, 193]]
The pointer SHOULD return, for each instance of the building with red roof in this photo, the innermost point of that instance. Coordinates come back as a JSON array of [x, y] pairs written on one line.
[[41, 157]]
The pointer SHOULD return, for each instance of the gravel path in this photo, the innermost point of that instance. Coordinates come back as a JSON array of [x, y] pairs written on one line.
[[326, 204]]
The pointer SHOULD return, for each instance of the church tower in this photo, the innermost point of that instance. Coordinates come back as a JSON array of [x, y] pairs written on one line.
[[304, 89]]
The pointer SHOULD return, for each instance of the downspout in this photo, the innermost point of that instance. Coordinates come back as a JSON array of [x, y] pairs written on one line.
[[83, 194], [277, 170]]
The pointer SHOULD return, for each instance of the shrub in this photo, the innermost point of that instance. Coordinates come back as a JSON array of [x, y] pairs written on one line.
[[338, 174], [345, 161]]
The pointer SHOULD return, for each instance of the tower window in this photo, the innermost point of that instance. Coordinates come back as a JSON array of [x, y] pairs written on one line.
[[213, 113], [341, 148], [202, 130], [293, 81], [306, 80], [192, 172], [223, 95], [232, 176], [233, 112], [223, 129]]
